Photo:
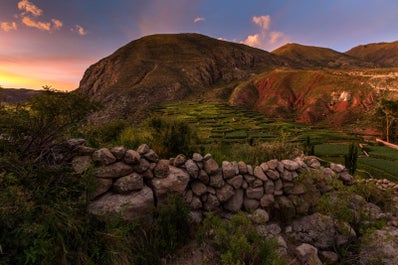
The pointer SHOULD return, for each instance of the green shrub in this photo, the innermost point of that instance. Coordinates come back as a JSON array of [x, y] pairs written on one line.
[[102, 134], [171, 137], [238, 241], [351, 158]]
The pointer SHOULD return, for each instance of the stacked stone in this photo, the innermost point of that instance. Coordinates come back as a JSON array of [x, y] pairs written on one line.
[[133, 181]]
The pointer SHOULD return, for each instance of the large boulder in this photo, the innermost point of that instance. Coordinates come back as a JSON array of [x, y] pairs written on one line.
[[116, 170], [131, 206], [104, 156], [235, 203], [176, 181], [129, 183]]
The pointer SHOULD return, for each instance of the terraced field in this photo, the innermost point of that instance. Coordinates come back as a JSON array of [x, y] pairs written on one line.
[[219, 124]]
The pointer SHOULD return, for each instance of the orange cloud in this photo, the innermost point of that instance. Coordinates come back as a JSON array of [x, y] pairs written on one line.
[[79, 29], [27, 21], [8, 26], [265, 39], [28, 7]]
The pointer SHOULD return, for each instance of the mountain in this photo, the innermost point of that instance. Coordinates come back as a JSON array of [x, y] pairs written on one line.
[[383, 54], [317, 57], [13, 95], [164, 68]]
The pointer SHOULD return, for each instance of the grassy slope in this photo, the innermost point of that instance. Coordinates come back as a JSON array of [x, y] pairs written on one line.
[[383, 54]]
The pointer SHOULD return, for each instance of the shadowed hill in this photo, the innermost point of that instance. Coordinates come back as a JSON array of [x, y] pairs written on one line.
[[383, 54], [164, 68], [12, 96], [309, 56]]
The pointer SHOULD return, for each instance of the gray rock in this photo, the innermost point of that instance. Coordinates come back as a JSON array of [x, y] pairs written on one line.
[[272, 164], [270, 230], [195, 217], [176, 181], [250, 204], [206, 157], [320, 231], [118, 152], [129, 183], [236, 166], [211, 203], [142, 166], [272, 174], [196, 203], [151, 156], [216, 180], [380, 247], [203, 177], [116, 170], [131, 206], [198, 188], [242, 167], [347, 178], [104, 156], [290, 165], [308, 254], [269, 187], [250, 170], [192, 168], [312, 162], [328, 257], [143, 149], [197, 157], [254, 193], [132, 157], [260, 216], [234, 204], [337, 167], [210, 166], [80, 164], [102, 186], [297, 189], [228, 169], [162, 169], [264, 166], [85, 150], [180, 160], [188, 195], [286, 175], [259, 173], [278, 185], [236, 181], [75, 142], [286, 208], [267, 201], [249, 179], [225, 193], [257, 183]]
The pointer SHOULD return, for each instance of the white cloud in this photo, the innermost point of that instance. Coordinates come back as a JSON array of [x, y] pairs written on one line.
[[27, 7], [262, 21], [198, 19], [265, 39], [57, 23], [8, 26], [79, 29]]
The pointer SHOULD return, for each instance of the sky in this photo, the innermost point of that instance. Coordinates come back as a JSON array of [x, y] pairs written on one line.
[[52, 42]]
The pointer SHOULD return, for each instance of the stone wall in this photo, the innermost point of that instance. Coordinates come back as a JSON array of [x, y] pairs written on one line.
[[134, 181]]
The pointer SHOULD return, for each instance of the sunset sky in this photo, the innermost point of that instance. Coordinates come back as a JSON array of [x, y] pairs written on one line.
[[52, 42]]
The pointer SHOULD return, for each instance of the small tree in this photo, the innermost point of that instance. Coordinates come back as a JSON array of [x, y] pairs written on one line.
[[351, 158], [388, 111]]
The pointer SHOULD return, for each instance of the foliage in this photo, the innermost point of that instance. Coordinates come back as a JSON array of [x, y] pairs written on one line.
[[99, 135], [32, 128], [308, 146], [239, 242], [388, 111], [351, 158], [171, 137]]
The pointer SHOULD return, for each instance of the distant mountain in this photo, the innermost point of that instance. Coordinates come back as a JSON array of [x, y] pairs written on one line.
[[383, 54], [13, 95], [317, 57], [164, 68]]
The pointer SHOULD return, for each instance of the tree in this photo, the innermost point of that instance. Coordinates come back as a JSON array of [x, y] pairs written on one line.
[[388, 110]]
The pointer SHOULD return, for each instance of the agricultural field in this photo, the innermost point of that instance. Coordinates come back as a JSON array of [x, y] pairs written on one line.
[[223, 125]]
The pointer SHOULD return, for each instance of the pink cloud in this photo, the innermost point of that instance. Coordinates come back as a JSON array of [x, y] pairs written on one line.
[[80, 30], [27, 21], [265, 39], [198, 19]]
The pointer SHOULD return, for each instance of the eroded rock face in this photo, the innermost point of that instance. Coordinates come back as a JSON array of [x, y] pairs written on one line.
[[131, 206]]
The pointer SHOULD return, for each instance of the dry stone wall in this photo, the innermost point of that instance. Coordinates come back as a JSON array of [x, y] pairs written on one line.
[[132, 182]]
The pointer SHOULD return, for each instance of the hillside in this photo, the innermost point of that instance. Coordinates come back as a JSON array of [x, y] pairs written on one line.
[[383, 54], [310, 96], [317, 57], [165, 68], [11, 95]]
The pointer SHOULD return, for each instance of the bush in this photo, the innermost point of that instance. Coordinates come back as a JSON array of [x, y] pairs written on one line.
[[171, 137], [238, 241]]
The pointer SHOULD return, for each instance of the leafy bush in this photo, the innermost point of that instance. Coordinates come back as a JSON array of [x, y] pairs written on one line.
[[102, 134], [239, 242], [170, 137]]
